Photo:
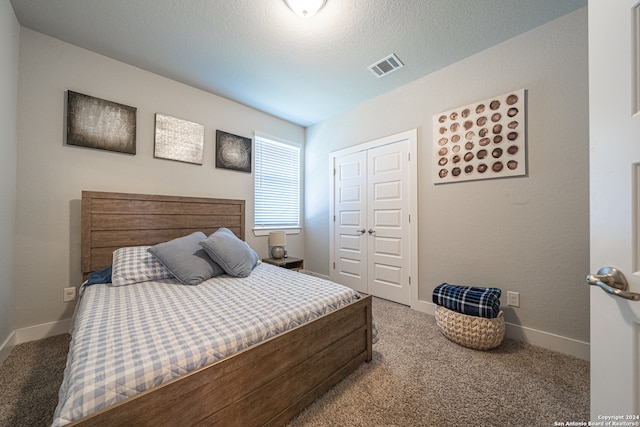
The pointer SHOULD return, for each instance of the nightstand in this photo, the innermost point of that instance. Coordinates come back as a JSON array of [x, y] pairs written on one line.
[[290, 263]]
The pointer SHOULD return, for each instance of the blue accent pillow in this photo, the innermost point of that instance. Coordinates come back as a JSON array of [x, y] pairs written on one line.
[[186, 259], [232, 254], [99, 276]]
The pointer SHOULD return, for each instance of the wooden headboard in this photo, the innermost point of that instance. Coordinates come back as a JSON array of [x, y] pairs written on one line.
[[115, 220]]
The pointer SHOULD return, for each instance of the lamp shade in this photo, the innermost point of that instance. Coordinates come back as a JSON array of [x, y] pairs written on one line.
[[305, 8], [277, 238]]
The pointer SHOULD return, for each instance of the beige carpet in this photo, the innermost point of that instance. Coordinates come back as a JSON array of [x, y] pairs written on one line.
[[420, 378], [29, 382], [417, 378]]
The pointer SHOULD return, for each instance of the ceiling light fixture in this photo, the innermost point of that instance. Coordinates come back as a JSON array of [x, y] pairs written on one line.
[[305, 8]]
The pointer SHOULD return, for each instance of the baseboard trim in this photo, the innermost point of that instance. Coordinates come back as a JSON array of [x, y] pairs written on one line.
[[424, 306], [7, 346], [579, 349], [44, 330], [543, 339], [314, 274]]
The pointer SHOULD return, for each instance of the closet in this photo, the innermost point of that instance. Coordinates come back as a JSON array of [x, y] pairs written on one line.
[[374, 223]]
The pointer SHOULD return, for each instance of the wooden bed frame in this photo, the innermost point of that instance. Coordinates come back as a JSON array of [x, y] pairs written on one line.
[[266, 384]]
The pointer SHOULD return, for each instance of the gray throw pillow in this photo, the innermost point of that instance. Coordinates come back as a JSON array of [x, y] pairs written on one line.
[[232, 254], [186, 259]]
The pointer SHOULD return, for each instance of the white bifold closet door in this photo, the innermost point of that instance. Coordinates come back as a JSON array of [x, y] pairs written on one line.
[[372, 221]]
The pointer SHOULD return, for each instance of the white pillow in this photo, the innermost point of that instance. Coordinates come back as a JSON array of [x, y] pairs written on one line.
[[134, 265]]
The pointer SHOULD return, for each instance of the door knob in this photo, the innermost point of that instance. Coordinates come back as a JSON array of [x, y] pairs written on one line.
[[612, 281], [372, 231], [361, 232]]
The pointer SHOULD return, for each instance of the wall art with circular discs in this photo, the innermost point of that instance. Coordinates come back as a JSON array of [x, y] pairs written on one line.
[[483, 140]]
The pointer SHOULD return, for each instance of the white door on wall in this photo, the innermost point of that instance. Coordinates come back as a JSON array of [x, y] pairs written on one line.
[[373, 197], [350, 193], [614, 133], [388, 219]]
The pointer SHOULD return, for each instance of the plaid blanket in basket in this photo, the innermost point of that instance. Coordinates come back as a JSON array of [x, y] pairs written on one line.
[[470, 300]]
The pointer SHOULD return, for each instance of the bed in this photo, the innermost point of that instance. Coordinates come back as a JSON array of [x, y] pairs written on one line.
[[265, 382]]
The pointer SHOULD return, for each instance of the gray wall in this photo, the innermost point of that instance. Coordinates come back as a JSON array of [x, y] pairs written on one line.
[[9, 45], [529, 235], [51, 176]]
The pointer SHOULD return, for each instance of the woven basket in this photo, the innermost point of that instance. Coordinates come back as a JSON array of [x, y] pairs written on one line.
[[474, 332]]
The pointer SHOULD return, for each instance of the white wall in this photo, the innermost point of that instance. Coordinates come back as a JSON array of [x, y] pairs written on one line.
[[529, 235], [9, 59], [51, 176]]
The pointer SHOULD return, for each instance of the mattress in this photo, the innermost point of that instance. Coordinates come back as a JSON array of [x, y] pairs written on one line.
[[128, 339]]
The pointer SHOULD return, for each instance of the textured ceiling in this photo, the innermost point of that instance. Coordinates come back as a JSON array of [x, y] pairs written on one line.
[[258, 53]]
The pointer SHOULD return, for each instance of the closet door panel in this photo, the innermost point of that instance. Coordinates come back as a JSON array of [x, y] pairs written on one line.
[[350, 237], [388, 213], [373, 242]]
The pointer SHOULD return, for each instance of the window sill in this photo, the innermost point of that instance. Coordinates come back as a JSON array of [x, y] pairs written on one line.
[[266, 231]]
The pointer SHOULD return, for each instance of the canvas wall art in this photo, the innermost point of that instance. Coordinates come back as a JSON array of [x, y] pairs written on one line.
[[98, 123], [483, 140], [177, 139], [233, 152]]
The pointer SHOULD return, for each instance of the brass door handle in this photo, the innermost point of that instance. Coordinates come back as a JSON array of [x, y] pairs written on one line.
[[612, 281]]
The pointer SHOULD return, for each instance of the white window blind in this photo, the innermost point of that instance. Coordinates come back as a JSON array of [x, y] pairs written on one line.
[[277, 184]]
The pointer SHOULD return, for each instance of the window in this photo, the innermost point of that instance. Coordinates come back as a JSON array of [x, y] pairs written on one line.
[[277, 184]]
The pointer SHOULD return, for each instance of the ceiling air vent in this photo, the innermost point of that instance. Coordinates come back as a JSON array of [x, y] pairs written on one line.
[[386, 66]]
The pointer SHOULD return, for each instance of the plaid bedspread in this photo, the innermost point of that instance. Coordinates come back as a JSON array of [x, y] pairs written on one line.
[[128, 339], [470, 300]]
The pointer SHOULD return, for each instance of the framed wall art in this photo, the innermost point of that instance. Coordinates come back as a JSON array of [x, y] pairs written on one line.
[[98, 123], [177, 139], [233, 152], [483, 140]]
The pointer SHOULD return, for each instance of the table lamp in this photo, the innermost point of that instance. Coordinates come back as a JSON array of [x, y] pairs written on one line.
[[277, 241]]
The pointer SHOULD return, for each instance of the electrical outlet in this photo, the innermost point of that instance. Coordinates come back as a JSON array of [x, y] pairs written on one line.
[[69, 294], [513, 299]]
